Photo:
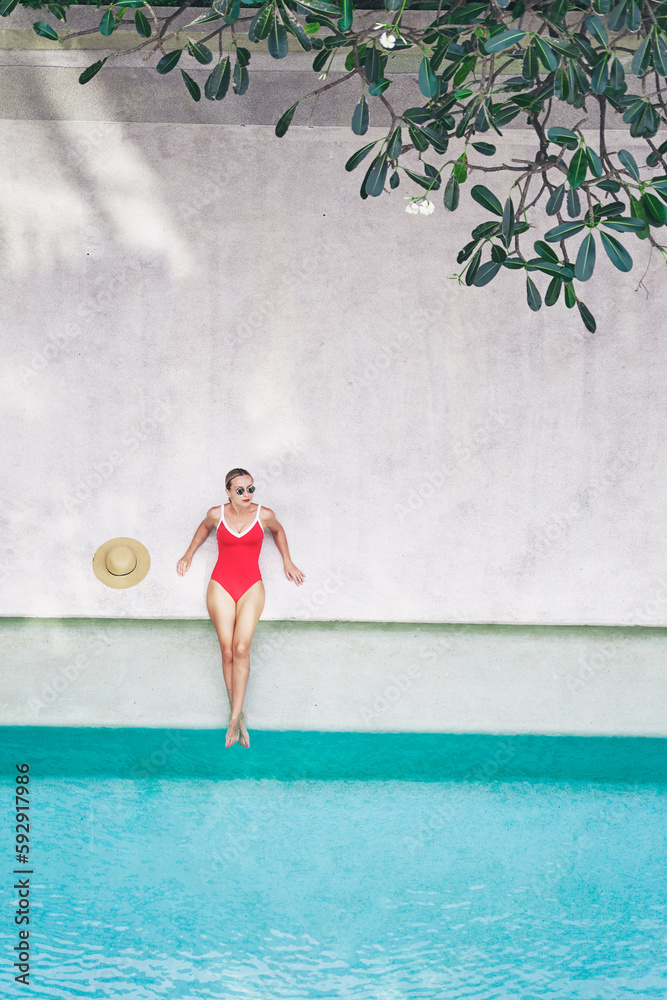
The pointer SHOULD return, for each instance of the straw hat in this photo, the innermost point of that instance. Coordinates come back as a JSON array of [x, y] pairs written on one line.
[[121, 562]]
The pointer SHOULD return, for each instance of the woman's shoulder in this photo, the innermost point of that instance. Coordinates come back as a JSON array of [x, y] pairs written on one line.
[[213, 515]]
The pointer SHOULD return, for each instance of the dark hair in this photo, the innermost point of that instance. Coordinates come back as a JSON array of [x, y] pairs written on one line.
[[233, 474]]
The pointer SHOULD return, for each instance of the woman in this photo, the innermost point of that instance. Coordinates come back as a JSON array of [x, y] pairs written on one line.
[[235, 595]]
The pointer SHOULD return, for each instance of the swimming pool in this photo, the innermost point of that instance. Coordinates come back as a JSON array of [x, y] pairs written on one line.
[[347, 865]]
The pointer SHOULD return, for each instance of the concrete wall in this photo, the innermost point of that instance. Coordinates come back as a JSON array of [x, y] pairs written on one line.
[[341, 676], [184, 295]]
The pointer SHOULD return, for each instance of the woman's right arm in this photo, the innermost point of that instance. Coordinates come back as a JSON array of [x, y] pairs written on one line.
[[212, 520]]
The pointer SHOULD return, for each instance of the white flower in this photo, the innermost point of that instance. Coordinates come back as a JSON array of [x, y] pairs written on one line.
[[387, 41], [322, 76], [419, 206], [380, 24]]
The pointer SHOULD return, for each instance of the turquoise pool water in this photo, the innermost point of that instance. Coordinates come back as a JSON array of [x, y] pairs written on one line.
[[352, 866]]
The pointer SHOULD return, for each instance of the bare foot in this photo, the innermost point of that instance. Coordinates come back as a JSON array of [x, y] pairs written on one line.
[[244, 739], [232, 732]]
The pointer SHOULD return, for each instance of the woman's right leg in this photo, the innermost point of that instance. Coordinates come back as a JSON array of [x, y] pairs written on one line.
[[222, 611]]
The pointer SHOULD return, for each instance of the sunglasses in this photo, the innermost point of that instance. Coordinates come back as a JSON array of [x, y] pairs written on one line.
[[241, 490]]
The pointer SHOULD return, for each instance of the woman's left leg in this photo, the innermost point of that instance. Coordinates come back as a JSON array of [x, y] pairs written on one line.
[[248, 610]]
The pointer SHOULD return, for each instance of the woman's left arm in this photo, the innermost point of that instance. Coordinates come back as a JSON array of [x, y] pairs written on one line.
[[280, 538]]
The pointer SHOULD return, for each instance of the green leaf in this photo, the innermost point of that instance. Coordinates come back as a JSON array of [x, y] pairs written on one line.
[[654, 207], [616, 252], [427, 182], [617, 17], [549, 267], [460, 169], [609, 185], [642, 58], [277, 40], [531, 67], [585, 263], [376, 176], [514, 263], [372, 64], [346, 15], [394, 180], [532, 294], [587, 317], [498, 253], [486, 199], [167, 63], [262, 21], [395, 144], [573, 204], [320, 59], [360, 117], [217, 83], [285, 120], [485, 148], [419, 140], [563, 232], [564, 137], [203, 18], [199, 51], [660, 55], [556, 200], [600, 75], [594, 162], [294, 26], [463, 254], [504, 40], [233, 11], [58, 11], [360, 154], [428, 81], [107, 24], [141, 24], [553, 291], [473, 268], [545, 53], [570, 295], [544, 250], [92, 70], [193, 88], [7, 6], [631, 224], [486, 273], [241, 79], [576, 174], [378, 86], [629, 162], [508, 222], [597, 29], [452, 194], [45, 30]]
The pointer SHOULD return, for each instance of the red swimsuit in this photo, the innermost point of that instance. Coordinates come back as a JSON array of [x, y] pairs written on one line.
[[237, 567]]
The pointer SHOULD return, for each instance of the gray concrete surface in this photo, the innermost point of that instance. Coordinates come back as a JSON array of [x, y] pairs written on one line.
[[183, 299], [367, 677]]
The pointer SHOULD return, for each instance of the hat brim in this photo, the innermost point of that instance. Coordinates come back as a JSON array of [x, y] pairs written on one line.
[[130, 579]]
